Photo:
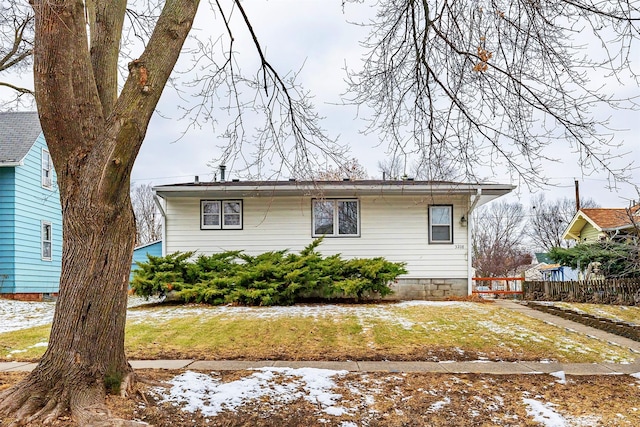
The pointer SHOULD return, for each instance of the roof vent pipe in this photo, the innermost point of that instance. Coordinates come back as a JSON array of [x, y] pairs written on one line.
[[222, 169], [196, 180]]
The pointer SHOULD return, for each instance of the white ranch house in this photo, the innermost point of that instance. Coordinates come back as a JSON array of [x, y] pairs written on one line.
[[421, 223]]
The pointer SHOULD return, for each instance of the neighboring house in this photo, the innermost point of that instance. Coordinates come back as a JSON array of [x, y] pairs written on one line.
[[539, 261], [424, 224], [140, 254], [558, 273], [30, 212], [595, 224]]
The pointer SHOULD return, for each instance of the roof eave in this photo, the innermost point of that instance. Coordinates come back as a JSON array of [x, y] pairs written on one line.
[[297, 188], [11, 163]]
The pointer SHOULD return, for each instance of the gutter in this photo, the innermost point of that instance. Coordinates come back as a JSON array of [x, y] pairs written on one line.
[[156, 200], [11, 164], [476, 199]]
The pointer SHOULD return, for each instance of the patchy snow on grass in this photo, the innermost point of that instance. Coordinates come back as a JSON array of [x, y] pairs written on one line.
[[36, 345], [436, 406], [194, 391], [17, 315], [230, 312], [544, 414], [562, 379]]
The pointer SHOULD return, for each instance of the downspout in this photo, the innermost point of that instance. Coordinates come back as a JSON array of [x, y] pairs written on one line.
[[156, 200], [476, 199]]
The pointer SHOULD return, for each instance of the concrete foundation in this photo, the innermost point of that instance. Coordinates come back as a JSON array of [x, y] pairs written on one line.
[[428, 289]]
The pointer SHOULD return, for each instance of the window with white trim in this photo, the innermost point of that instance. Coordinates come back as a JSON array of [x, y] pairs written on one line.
[[441, 224], [221, 214], [336, 217], [47, 169], [45, 227]]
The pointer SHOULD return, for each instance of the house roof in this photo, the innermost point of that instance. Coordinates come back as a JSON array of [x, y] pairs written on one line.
[[344, 188], [543, 257], [18, 132], [602, 219], [146, 245], [610, 218]]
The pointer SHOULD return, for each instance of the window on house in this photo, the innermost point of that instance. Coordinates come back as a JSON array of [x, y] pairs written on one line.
[[221, 214], [440, 224], [47, 169], [46, 240], [336, 218]]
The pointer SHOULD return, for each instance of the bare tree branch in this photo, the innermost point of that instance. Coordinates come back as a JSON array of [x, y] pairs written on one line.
[[497, 83], [16, 49]]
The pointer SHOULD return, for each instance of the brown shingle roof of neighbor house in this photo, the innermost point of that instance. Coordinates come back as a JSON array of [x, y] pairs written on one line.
[[611, 218]]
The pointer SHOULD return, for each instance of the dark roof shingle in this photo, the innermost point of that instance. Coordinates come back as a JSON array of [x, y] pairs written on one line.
[[18, 132]]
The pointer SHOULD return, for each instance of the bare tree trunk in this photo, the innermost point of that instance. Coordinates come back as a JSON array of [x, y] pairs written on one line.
[[93, 136], [86, 350]]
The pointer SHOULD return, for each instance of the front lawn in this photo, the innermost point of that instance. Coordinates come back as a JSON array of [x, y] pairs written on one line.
[[418, 330]]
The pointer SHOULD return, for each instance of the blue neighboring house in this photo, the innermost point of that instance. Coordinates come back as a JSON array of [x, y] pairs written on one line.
[[140, 254], [30, 212]]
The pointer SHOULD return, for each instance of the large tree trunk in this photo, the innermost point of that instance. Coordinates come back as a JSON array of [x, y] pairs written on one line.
[[86, 354], [94, 137]]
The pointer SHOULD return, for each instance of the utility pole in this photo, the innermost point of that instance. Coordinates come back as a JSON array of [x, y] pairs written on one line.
[[577, 195]]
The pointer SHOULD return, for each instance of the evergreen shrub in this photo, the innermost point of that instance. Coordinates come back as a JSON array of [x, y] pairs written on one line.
[[271, 278]]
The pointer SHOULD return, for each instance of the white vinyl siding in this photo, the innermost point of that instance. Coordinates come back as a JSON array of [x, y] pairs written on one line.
[[221, 214], [395, 227]]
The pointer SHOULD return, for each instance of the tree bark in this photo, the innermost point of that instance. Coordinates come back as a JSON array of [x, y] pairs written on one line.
[[93, 136]]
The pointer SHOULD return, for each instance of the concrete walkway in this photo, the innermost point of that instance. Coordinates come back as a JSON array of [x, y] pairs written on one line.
[[476, 367]]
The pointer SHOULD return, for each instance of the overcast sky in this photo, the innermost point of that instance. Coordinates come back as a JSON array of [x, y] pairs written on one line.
[[316, 34]]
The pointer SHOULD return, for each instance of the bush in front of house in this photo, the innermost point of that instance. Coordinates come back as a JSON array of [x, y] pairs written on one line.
[[271, 278]]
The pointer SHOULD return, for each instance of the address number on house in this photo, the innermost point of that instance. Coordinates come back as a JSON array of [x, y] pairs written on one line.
[[459, 246]]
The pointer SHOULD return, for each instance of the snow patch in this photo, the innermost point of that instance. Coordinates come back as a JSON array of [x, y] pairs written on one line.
[[544, 414], [200, 392], [439, 405], [562, 379], [17, 315]]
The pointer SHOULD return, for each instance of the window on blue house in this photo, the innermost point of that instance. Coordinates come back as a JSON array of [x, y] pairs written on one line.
[[221, 214], [47, 169], [46, 240]]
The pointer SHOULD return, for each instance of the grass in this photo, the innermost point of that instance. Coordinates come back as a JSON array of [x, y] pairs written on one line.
[[629, 314], [26, 344], [460, 331]]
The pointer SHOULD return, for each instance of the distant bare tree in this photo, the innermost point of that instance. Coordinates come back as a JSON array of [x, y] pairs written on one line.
[[549, 219], [16, 46], [390, 168], [497, 239], [424, 169], [148, 219], [436, 169], [351, 169]]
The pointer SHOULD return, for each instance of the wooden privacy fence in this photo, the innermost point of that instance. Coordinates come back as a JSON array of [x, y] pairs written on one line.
[[609, 291]]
